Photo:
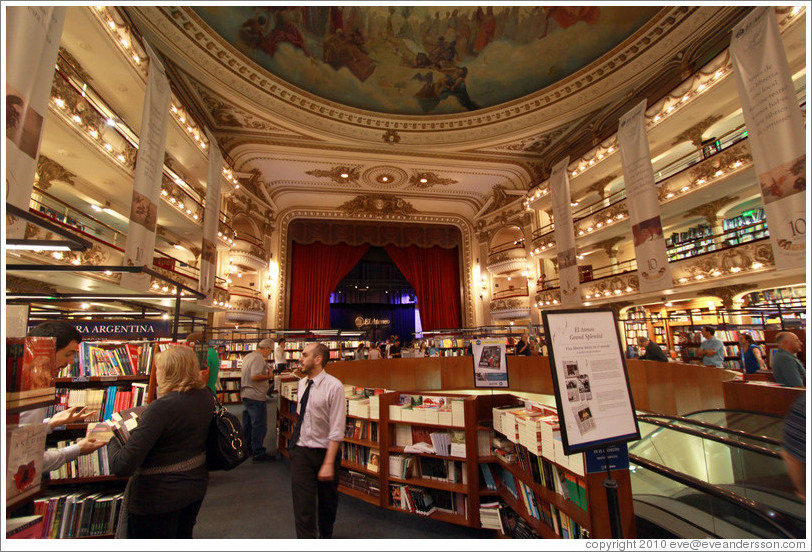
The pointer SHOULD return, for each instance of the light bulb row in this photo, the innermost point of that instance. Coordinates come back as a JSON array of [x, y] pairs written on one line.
[[700, 85], [121, 35], [717, 272], [607, 293]]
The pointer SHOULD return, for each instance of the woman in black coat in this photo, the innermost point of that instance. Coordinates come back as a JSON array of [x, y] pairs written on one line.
[[165, 455]]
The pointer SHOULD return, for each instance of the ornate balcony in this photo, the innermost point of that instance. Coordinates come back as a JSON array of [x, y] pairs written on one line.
[[247, 255], [507, 261], [510, 308], [246, 306]]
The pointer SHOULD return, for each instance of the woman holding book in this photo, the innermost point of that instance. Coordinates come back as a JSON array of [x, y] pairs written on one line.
[[165, 454]]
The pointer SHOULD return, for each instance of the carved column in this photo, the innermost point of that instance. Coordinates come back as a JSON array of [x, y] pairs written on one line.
[[710, 212], [610, 248]]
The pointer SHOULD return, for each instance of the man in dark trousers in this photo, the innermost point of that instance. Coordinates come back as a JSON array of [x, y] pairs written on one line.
[[651, 351], [253, 391], [314, 446]]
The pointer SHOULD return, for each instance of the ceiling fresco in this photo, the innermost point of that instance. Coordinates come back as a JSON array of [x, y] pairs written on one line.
[[424, 60]]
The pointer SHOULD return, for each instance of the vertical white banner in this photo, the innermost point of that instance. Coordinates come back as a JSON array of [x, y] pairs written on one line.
[[211, 217], [653, 270], [775, 129], [568, 278], [140, 247], [31, 48]]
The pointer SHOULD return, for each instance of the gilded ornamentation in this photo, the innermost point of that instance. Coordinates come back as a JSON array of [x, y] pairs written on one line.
[[710, 210], [17, 284], [378, 205], [228, 115], [72, 66], [724, 161], [609, 245], [726, 293], [611, 286], [599, 187], [335, 174], [429, 179], [499, 199], [385, 177], [694, 134], [391, 136]]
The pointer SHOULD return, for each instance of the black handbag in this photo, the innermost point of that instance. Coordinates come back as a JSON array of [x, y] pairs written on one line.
[[225, 447]]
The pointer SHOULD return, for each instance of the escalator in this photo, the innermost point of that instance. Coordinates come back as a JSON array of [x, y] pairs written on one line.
[[695, 479]]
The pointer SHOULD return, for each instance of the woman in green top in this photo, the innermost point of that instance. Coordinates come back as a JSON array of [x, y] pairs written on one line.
[[208, 358]]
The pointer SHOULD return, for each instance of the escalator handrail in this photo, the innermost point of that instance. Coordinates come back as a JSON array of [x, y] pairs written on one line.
[[785, 524], [707, 425], [735, 411], [724, 440]]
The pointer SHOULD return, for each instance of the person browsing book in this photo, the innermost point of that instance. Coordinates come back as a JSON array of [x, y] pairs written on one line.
[[279, 358], [67, 345], [253, 391], [314, 446], [165, 454], [208, 359], [650, 350]]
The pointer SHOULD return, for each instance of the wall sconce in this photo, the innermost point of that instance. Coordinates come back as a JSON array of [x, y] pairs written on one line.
[[273, 275]]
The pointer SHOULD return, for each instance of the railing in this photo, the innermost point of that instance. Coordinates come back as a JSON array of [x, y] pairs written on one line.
[[506, 247], [59, 211], [517, 292], [661, 175]]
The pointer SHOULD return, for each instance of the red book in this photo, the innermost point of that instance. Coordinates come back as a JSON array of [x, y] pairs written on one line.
[[34, 359]]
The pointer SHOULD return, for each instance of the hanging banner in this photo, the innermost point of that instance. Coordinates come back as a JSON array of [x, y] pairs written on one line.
[[490, 362], [568, 277], [211, 217], [775, 130], [140, 246], [653, 270], [32, 37]]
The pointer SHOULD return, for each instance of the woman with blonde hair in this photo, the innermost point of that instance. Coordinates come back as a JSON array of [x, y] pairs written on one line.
[[165, 455]]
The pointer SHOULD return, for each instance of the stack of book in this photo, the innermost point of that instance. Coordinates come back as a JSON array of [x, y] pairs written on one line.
[[489, 515]]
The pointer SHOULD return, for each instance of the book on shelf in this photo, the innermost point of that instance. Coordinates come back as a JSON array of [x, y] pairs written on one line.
[[25, 527], [490, 517], [458, 443], [374, 460], [25, 446], [29, 369]]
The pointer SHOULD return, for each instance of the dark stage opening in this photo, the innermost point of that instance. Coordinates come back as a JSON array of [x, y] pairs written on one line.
[[377, 299]]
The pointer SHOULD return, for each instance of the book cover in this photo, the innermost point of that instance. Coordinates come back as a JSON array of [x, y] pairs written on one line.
[[101, 431], [30, 364], [458, 443], [374, 460], [24, 447], [25, 527]]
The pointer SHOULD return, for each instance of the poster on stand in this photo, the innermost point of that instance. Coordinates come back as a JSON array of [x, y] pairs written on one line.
[[490, 363], [775, 128], [591, 383]]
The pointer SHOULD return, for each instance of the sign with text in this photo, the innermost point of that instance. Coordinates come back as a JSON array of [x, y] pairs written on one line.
[[123, 329], [32, 33], [653, 270], [775, 127], [617, 455], [139, 248], [592, 392], [490, 363]]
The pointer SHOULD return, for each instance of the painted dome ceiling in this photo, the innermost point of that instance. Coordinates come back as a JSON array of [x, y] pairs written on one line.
[[424, 60]]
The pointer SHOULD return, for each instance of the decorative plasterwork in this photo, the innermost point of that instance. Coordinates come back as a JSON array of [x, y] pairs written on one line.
[[466, 257], [341, 174], [18, 284], [628, 63], [226, 114], [599, 187], [386, 177], [746, 257], [499, 199], [510, 309], [611, 287], [727, 293], [49, 170], [609, 246], [694, 134], [378, 206], [710, 210], [73, 66], [428, 179]]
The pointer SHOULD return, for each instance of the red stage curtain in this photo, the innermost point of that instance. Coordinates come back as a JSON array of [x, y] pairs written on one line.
[[316, 270], [434, 274]]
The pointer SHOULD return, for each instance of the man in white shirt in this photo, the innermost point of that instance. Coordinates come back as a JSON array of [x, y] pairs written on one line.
[[67, 344], [279, 359], [314, 446]]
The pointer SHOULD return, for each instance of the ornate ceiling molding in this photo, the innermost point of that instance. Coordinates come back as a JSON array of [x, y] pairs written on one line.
[[378, 206], [428, 179], [386, 177], [341, 174], [710, 210], [647, 51]]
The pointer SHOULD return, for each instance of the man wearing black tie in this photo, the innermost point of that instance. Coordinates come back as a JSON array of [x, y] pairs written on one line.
[[314, 446]]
